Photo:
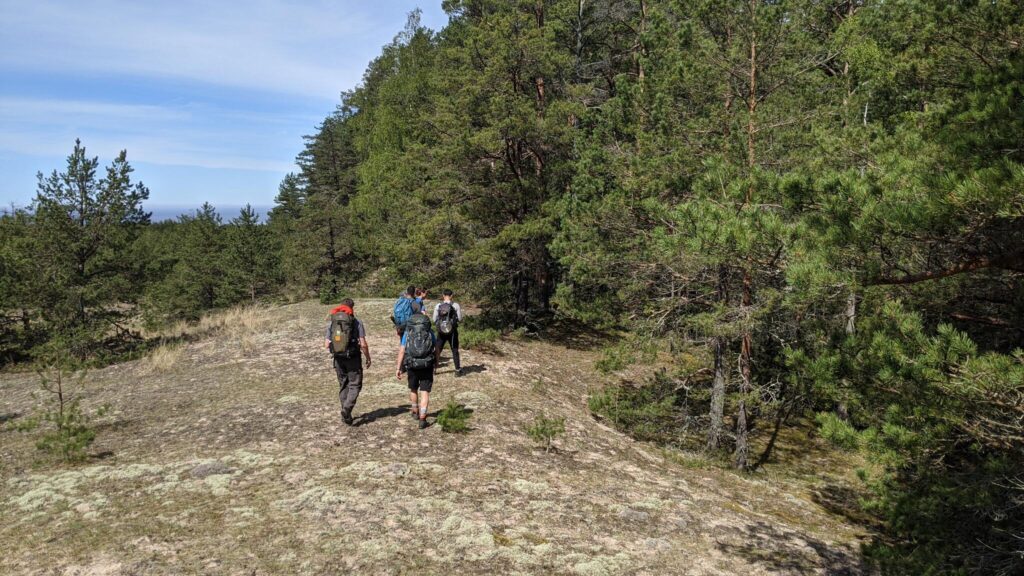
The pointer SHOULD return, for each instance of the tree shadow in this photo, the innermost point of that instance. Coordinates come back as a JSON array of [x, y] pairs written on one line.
[[7, 417], [778, 550], [573, 335], [845, 501], [379, 413]]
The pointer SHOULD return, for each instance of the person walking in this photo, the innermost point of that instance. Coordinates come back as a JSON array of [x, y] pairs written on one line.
[[417, 357], [447, 316], [346, 340], [403, 309]]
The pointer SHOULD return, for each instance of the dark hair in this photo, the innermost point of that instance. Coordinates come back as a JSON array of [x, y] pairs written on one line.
[[447, 292], [411, 290], [348, 302]]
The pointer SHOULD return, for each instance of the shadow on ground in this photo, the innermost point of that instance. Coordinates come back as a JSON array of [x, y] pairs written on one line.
[[795, 553], [381, 413]]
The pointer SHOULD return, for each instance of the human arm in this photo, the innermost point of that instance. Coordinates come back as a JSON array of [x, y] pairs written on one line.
[[366, 350], [401, 358]]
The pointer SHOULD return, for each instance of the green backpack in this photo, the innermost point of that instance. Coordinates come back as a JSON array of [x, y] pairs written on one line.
[[344, 336]]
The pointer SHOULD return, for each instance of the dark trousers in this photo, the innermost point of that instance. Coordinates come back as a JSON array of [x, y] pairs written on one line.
[[350, 381], [453, 338]]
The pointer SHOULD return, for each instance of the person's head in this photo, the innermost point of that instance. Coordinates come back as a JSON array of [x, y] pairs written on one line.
[[447, 294], [421, 292], [410, 291], [416, 307], [348, 306]]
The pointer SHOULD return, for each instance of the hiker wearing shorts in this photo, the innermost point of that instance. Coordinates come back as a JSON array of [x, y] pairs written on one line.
[[346, 340], [417, 357], [447, 316]]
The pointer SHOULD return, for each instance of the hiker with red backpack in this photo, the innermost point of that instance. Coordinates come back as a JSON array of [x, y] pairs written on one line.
[[418, 358], [447, 315], [346, 340]]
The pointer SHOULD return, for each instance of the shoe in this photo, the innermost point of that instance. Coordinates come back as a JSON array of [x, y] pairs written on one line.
[[458, 372], [423, 423], [415, 416], [346, 418]]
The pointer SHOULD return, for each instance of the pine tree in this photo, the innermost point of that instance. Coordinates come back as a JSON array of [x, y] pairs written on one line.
[[250, 265], [82, 230]]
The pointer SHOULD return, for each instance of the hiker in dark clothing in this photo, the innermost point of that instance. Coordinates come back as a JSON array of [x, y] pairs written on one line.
[[346, 340], [447, 316], [403, 309], [418, 358]]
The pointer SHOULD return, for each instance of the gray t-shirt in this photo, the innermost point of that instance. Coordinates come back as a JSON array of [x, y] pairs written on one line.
[[455, 305], [359, 327]]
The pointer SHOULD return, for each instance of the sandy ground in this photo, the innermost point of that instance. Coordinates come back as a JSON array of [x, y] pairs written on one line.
[[233, 460]]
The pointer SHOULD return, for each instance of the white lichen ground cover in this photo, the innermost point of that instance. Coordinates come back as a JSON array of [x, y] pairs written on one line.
[[227, 460]]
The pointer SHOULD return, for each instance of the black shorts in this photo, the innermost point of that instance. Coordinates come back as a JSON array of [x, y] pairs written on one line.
[[421, 379]]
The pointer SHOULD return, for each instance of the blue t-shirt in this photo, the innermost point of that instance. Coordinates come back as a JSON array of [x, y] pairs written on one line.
[[433, 339]]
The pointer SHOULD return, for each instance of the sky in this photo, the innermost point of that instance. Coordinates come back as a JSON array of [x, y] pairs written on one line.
[[210, 99]]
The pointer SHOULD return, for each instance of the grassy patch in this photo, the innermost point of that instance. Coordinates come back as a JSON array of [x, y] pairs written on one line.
[[164, 358], [474, 339]]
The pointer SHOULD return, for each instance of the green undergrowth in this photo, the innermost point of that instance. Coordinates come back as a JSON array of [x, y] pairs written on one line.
[[454, 418]]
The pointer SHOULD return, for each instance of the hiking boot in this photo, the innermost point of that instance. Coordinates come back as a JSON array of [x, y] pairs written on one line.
[[423, 423], [346, 417], [458, 372]]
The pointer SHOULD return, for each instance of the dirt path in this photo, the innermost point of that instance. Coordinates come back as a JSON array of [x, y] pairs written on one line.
[[235, 463]]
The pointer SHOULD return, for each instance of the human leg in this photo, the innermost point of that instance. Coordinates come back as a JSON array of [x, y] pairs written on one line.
[[455, 351], [354, 376]]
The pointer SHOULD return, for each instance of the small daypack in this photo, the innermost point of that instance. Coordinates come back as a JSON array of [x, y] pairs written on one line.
[[447, 318], [344, 335], [402, 311], [419, 346]]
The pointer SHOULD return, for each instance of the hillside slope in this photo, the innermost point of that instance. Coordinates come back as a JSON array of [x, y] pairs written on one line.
[[234, 461]]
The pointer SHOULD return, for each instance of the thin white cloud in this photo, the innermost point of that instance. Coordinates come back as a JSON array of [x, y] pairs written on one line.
[[315, 48], [184, 136]]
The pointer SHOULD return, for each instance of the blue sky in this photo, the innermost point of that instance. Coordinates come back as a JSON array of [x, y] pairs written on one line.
[[210, 99]]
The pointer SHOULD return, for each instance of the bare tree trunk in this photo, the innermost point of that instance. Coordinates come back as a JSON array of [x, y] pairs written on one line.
[[579, 36], [720, 380], [752, 100], [741, 455], [718, 385], [843, 410]]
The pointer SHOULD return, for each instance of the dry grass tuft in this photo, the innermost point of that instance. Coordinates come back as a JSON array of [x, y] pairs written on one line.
[[250, 319], [164, 358]]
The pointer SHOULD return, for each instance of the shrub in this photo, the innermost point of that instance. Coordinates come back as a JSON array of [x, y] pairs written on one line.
[[66, 430], [475, 339], [544, 430], [454, 418]]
